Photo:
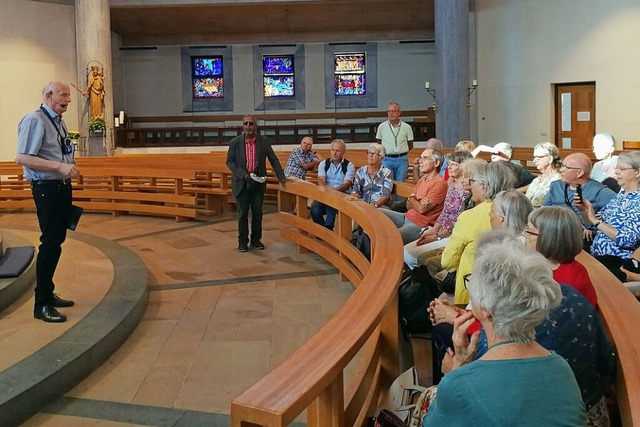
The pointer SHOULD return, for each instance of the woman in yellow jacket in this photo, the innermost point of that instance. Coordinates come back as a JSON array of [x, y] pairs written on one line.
[[459, 254]]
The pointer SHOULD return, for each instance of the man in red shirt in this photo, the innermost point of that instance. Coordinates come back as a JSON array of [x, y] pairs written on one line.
[[426, 202]]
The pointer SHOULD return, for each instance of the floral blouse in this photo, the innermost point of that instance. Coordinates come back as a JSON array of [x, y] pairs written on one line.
[[453, 205], [623, 213], [539, 187]]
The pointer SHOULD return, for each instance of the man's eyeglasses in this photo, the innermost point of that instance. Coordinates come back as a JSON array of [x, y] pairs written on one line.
[[426, 158], [373, 153], [248, 123], [393, 111], [539, 157], [465, 280], [569, 167]]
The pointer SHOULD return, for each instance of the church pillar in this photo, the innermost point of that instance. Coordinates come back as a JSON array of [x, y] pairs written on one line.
[[93, 47], [453, 64]]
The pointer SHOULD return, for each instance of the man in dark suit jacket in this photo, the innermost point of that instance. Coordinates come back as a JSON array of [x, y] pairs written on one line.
[[246, 159]]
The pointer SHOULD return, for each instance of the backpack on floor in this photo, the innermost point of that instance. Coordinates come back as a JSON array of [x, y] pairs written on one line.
[[361, 241]]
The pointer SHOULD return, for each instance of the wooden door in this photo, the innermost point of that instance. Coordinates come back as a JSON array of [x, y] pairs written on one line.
[[575, 112]]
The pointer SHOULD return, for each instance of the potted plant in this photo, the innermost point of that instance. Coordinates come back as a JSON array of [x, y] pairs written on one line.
[[97, 125]]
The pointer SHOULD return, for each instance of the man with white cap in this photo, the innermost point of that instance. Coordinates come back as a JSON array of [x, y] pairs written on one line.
[[603, 147], [502, 152]]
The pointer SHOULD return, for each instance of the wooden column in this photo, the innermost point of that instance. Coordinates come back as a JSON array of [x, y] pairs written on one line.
[[452, 62], [93, 43]]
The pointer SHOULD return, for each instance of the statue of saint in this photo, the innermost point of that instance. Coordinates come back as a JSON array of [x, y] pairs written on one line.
[[95, 92]]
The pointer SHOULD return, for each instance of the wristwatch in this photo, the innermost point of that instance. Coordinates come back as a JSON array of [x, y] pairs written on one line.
[[597, 224]]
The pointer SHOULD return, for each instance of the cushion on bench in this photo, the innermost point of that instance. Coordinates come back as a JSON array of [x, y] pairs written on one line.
[[15, 261]]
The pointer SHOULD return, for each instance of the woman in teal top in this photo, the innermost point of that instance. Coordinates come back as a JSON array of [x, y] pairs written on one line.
[[516, 382]]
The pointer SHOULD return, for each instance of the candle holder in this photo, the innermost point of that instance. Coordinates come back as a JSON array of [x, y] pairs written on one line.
[[431, 92], [470, 90]]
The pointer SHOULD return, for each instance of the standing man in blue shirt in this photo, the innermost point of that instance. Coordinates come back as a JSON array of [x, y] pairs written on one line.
[[337, 173], [46, 153], [396, 137]]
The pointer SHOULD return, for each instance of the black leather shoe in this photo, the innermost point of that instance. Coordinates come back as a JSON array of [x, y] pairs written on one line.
[[49, 314], [257, 245], [56, 301], [243, 248]]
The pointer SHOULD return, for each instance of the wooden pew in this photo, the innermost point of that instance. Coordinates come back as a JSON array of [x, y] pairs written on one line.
[[631, 145], [620, 312], [114, 193]]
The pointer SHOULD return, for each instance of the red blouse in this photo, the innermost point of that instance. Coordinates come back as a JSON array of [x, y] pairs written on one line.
[[575, 275]]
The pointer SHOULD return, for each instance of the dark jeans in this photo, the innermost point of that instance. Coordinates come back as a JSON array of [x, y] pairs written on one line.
[[440, 341], [251, 197], [318, 212], [613, 264], [53, 205]]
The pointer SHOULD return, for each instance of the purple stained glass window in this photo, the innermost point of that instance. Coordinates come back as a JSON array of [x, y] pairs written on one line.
[[210, 66]]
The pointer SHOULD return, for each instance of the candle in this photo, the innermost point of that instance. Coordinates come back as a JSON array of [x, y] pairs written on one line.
[[116, 122], [427, 85], [122, 117], [474, 83]]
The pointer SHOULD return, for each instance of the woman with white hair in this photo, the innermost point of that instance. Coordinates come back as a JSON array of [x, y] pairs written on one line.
[[517, 381], [617, 225], [547, 160], [510, 209], [373, 182]]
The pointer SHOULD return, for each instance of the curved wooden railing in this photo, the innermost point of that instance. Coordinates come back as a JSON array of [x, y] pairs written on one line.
[[312, 378], [621, 315]]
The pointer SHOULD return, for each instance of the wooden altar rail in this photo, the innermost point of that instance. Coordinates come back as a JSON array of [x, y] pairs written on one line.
[[277, 134], [267, 117], [218, 129], [312, 378]]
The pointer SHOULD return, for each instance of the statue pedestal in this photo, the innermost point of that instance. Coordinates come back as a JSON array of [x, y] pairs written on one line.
[[95, 144]]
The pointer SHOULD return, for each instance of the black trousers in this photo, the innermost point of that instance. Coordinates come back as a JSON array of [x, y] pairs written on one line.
[[250, 198], [613, 264], [53, 206]]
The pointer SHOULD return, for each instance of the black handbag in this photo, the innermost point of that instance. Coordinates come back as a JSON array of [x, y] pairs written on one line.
[[448, 283], [417, 289]]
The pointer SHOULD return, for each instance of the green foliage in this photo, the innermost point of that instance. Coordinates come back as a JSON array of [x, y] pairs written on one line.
[[97, 124]]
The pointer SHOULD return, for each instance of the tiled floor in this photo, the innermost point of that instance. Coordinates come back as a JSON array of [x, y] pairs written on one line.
[[216, 322]]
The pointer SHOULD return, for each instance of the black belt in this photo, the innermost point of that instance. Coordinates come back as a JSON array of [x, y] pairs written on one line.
[[397, 155], [51, 182]]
